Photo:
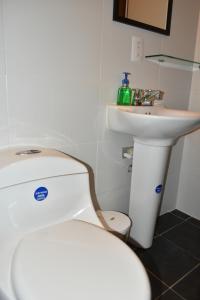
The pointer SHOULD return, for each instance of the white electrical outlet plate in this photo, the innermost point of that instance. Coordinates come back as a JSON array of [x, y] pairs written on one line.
[[136, 48]]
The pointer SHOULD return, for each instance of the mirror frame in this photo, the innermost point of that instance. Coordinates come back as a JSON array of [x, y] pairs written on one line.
[[118, 18]]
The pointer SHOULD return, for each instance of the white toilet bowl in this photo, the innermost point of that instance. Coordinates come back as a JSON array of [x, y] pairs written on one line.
[[53, 246]]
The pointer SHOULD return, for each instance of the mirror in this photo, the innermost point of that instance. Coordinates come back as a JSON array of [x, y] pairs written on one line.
[[154, 15]]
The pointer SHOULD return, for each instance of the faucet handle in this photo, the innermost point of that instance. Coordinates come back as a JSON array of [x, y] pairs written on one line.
[[155, 95], [158, 94], [146, 96]]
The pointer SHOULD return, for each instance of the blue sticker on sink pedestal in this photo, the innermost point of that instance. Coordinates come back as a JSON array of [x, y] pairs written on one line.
[[41, 193], [158, 189]]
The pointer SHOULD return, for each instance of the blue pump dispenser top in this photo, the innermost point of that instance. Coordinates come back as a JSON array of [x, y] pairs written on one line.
[[124, 96], [125, 81]]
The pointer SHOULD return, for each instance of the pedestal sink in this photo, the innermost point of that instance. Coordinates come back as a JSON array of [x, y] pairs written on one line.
[[155, 130]]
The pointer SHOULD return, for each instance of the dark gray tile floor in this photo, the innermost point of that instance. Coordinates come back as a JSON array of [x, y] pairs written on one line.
[[173, 261]]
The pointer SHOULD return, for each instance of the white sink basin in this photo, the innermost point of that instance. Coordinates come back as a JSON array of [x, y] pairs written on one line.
[[152, 124]]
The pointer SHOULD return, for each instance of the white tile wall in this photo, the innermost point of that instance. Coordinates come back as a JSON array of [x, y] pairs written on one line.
[[64, 61], [4, 131], [188, 198]]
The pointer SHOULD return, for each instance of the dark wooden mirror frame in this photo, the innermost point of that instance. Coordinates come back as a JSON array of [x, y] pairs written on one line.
[[118, 17]]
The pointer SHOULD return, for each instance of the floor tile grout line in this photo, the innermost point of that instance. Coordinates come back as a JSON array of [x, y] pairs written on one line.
[[185, 275], [180, 296], [189, 217], [186, 251], [163, 293], [183, 221], [160, 234], [166, 286], [196, 226], [149, 271], [169, 289]]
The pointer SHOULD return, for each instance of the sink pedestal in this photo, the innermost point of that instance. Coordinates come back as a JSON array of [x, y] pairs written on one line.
[[148, 177], [155, 129]]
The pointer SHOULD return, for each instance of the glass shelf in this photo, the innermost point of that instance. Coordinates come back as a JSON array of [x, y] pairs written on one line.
[[174, 62]]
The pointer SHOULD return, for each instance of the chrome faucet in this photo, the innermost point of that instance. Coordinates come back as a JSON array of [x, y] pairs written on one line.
[[146, 97]]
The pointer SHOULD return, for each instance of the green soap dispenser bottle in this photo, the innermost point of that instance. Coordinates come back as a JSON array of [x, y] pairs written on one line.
[[124, 96]]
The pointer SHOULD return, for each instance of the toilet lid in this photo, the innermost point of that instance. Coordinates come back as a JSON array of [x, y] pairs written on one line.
[[77, 261]]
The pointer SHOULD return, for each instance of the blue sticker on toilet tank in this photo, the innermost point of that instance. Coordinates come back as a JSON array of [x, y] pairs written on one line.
[[158, 189], [41, 193]]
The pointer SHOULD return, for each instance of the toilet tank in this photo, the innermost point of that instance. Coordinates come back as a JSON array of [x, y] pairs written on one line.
[[42, 187]]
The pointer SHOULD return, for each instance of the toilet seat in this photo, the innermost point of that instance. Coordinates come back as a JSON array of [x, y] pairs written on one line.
[[76, 260]]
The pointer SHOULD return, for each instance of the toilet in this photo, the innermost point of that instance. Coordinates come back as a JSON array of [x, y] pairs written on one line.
[[53, 245]]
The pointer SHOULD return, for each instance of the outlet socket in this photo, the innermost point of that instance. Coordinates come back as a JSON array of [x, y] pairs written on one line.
[[137, 49]]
